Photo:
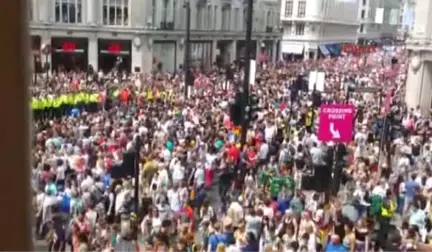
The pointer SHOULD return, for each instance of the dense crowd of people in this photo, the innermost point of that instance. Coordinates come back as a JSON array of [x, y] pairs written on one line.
[[199, 189]]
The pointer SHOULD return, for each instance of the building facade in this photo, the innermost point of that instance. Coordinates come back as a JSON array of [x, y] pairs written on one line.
[[419, 44], [141, 34], [319, 27], [406, 18], [378, 19]]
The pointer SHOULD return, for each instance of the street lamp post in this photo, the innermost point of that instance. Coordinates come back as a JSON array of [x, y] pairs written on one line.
[[137, 162], [245, 99], [187, 72]]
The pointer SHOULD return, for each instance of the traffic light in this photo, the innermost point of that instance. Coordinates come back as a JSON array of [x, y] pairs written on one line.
[[253, 108], [236, 110], [340, 157]]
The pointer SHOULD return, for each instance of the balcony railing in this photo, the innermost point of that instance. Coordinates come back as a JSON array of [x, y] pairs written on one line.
[[167, 26]]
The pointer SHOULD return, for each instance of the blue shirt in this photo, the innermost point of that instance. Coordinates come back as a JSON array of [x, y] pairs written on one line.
[[107, 180], [331, 247], [215, 239], [66, 201], [410, 188]]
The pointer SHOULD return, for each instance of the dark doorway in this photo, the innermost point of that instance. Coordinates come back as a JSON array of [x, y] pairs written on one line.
[[241, 49], [69, 54], [114, 55], [36, 53], [224, 56]]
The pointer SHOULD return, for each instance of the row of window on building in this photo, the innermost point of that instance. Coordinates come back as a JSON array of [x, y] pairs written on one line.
[[289, 8], [117, 13], [299, 29]]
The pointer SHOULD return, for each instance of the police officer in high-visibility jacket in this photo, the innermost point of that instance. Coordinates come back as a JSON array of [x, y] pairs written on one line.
[[309, 119], [388, 208]]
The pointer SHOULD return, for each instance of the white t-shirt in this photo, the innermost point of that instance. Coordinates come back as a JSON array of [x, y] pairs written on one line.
[[87, 183], [270, 132], [178, 172], [60, 172], [199, 176], [268, 212], [379, 191], [428, 183], [174, 200]]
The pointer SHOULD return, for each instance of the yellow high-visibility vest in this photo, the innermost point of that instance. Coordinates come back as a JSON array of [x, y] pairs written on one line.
[[35, 103], [116, 93], [308, 121], [388, 212], [94, 97]]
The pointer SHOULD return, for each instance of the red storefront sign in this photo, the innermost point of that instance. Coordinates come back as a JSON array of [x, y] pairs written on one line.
[[357, 49]]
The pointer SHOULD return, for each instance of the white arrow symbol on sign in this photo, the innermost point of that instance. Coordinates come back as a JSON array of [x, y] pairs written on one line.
[[335, 133]]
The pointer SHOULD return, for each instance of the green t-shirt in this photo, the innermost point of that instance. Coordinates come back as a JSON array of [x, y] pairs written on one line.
[[375, 207], [264, 178], [278, 183]]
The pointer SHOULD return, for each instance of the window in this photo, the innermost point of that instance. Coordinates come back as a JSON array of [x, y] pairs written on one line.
[[244, 18], [288, 8], [361, 29], [209, 17], [116, 12], [200, 17], [236, 18], [68, 11], [215, 17], [363, 14], [167, 21], [30, 10], [364, 2], [301, 12], [288, 29], [268, 19], [300, 29], [226, 17], [153, 17]]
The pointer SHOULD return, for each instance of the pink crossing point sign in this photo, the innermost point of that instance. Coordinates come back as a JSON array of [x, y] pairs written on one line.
[[336, 122]]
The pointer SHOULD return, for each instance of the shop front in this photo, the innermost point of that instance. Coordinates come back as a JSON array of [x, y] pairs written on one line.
[[164, 55], [266, 51], [241, 50], [201, 54], [69, 53], [223, 57], [292, 51], [114, 55]]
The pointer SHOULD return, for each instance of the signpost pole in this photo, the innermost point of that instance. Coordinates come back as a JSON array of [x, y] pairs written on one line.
[[245, 98], [187, 73], [34, 69], [137, 172]]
